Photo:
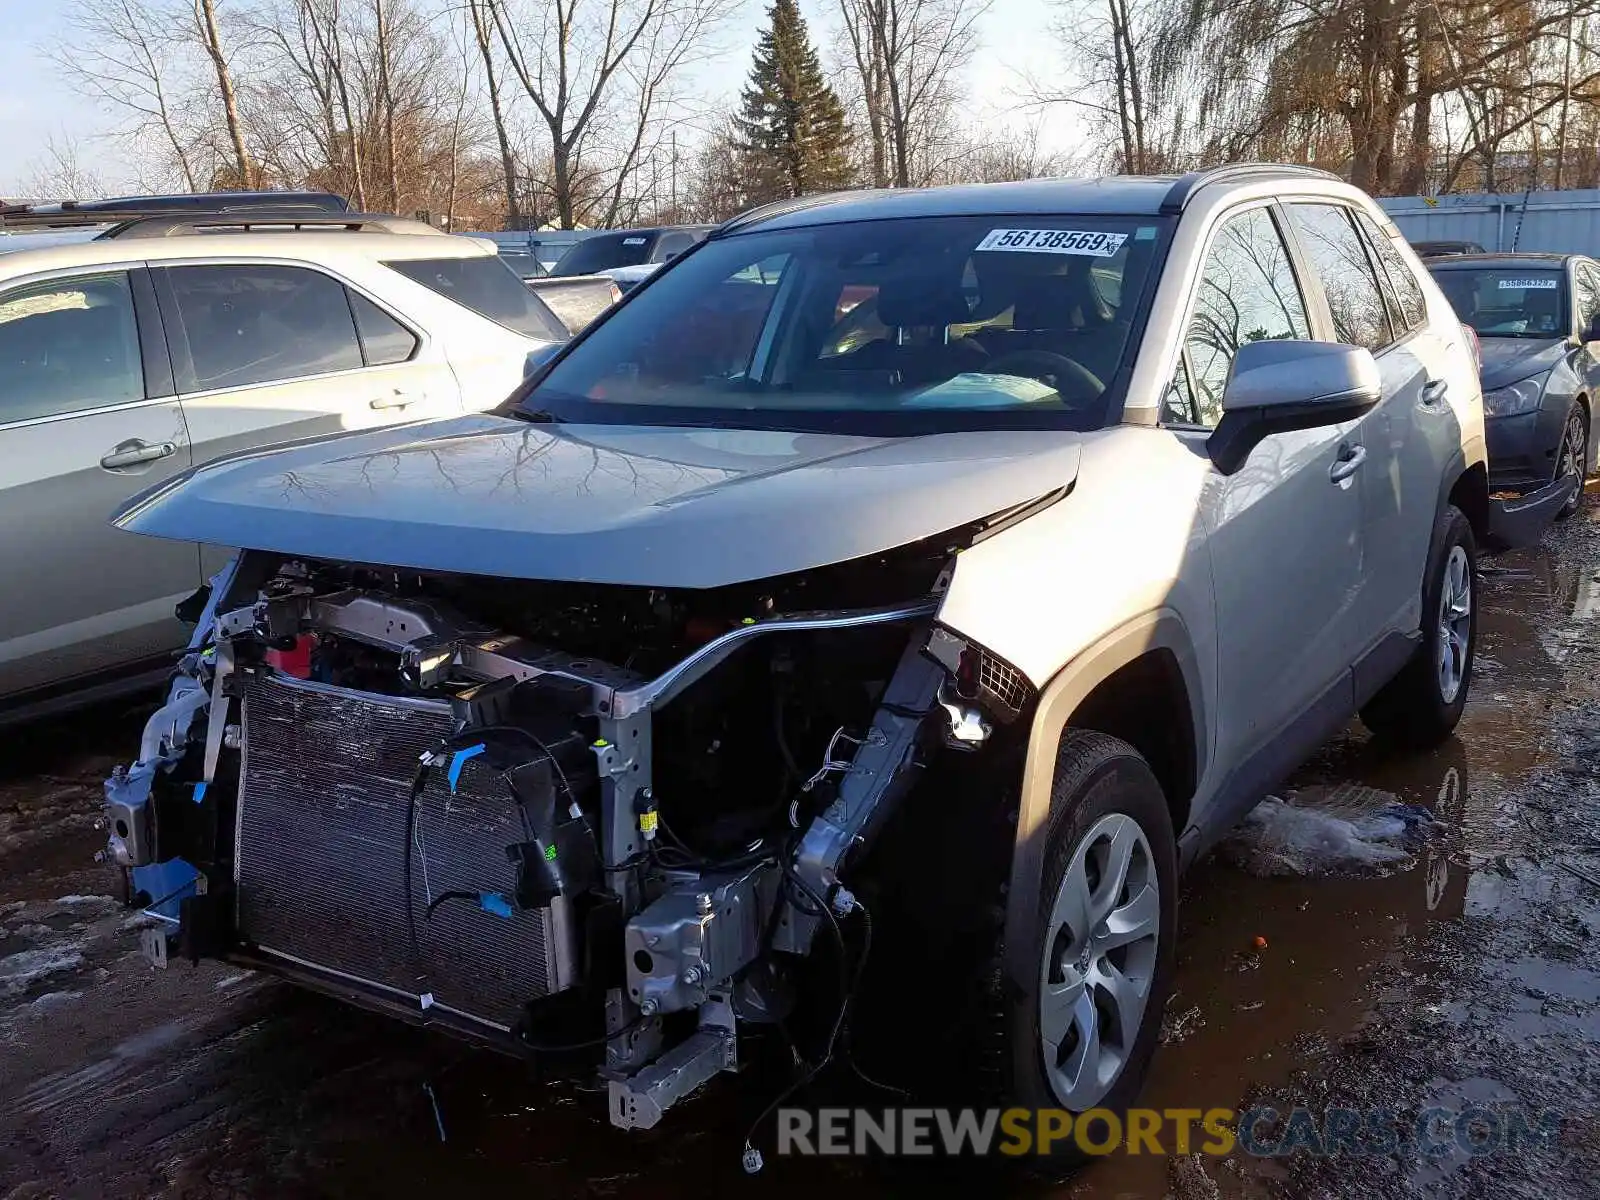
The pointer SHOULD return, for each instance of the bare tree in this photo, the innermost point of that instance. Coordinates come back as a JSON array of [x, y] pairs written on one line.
[[205, 15], [1107, 40], [599, 75], [907, 55], [483, 34], [60, 173], [123, 53], [386, 100], [1000, 154]]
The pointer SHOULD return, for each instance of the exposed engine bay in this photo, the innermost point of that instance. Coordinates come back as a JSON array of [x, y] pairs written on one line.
[[553, 817]]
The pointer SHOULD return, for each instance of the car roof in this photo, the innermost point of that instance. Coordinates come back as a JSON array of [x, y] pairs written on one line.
[[1108, 195], [1459, 261], [1111, 195], [313, 246]]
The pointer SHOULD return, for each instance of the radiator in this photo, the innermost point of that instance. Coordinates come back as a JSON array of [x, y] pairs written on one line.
[[321, 866]]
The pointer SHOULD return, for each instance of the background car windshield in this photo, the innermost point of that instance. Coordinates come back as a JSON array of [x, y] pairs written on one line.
[[604, 251], [968, 315], [1508, 302]]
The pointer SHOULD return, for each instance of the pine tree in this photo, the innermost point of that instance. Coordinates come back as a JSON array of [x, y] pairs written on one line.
[[791, 125]]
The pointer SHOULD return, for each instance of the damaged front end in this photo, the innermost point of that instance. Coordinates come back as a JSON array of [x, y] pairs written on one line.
[[549, 816]]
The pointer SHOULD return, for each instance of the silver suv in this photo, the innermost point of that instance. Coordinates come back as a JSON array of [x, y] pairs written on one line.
[[884, 553], [130, 352]]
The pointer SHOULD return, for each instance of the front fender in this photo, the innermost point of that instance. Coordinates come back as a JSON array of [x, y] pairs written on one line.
[[1162, 629]]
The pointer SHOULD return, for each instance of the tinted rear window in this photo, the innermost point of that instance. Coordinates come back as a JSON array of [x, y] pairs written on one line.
[[489, 288], [605, 251]]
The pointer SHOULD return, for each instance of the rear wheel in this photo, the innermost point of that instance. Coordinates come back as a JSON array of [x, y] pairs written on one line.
[[1080, 1032], [1572, 457], [1421, 705]]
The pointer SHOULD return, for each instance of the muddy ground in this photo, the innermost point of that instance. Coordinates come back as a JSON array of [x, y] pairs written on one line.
[[1468, 977]]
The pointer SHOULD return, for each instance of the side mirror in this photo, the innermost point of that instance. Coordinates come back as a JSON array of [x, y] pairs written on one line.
[[1591, 332], [1278, 386]]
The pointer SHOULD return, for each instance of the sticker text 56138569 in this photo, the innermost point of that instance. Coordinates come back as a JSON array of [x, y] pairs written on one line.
[[1095, 243]]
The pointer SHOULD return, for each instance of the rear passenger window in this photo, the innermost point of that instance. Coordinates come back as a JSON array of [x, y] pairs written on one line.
[[1339, 259], [383, 339], [1407, 291], [68, 346], [259, 324], [1247, 293]]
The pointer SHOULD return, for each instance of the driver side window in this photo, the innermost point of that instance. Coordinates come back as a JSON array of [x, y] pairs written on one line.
[[1247, 293]]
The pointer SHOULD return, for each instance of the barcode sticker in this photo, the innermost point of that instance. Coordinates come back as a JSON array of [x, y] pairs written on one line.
[[1096, 243]]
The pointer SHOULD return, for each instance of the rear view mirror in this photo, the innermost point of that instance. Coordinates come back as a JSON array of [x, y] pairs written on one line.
[[1277, 386]]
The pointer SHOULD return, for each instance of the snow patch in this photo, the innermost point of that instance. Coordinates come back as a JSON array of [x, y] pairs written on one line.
[[1350, 830], [54, 1000], [20, 971]]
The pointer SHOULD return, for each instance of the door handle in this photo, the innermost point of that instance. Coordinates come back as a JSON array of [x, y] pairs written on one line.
[[131, 454], [1348, 463], [395, 399], [1434, 392]]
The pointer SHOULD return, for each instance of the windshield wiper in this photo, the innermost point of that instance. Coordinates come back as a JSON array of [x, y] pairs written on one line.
[[534, 416]]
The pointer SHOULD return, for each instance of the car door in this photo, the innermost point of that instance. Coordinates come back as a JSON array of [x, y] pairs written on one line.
[[1285, 529], [87, 420], [265, 353], [1342, 269], [1430, 385]]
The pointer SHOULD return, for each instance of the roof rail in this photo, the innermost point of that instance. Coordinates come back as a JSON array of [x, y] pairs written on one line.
[[1183, 189], [780, 208], [261, 220], [118, 208], [23, 217]]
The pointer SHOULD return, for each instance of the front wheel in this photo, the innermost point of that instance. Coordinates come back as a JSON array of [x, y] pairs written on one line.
[[1572, 457], [1421, 705], [1080, 1032]]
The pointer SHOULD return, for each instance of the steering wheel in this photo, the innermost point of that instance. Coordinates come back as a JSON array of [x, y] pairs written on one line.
[[1048, 367]]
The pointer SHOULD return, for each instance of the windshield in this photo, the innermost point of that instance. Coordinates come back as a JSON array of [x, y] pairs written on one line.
[[605, 251], [489, 288], [914, 324], [1508, 302]]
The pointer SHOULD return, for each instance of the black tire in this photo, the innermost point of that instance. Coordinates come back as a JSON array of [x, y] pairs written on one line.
[[1412, 708], [1096, 776], [1574, 444]]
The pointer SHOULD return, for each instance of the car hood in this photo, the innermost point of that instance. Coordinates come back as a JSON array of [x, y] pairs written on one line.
[[660, 507], [1508, 359]]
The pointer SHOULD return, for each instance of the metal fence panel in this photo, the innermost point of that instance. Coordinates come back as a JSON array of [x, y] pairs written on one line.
[[1561, 222]]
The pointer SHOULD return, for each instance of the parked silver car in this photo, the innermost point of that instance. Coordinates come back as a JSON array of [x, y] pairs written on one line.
[[971, 557], [130, 354]]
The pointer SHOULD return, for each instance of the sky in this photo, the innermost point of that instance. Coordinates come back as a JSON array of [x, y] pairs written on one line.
[[36, 105]]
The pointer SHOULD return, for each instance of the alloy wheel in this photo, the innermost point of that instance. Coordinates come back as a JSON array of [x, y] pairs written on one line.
[[1099, 960], [1572, 456], [1455, 623]]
